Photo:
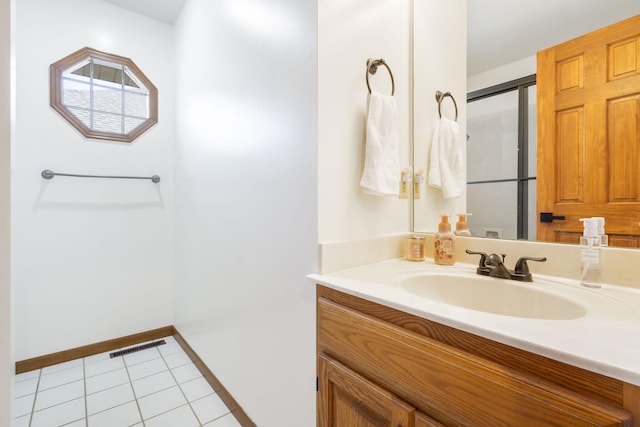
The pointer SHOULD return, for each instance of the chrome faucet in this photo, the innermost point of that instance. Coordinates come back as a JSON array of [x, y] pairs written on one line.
[[493, 266]]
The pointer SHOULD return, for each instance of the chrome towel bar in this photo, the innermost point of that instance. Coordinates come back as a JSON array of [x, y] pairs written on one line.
[[49, 174]]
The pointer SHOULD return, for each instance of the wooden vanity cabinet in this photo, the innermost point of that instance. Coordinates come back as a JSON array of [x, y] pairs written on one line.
[[382, 367]]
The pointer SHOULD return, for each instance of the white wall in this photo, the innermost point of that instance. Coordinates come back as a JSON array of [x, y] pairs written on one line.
[[514, 70], [6, 353], [350, 32], [245, 200], [440, 63], [91, 258]]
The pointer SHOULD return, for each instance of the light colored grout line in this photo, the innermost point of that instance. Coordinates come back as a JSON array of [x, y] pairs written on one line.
[[179, 387], [216, 419], [173, 409], [135, 398], [35, 396], [112, 407], [84, 385]]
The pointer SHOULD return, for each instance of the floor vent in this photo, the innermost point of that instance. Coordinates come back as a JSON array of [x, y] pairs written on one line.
[[138, 348]]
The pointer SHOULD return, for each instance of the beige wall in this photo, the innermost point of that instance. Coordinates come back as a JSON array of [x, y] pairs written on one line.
[[6, 358], [440, 64], [350, 32], [421, 40]]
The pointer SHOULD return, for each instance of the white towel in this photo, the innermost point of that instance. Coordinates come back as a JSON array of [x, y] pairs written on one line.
[[381, 173], [446, 166]]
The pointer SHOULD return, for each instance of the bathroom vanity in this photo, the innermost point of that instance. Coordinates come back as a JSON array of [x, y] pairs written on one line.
[[388, 355]]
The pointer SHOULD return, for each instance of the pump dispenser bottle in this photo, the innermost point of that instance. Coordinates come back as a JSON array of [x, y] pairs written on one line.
[[462, 226], [590, 243], [443, 253], [604, 238]]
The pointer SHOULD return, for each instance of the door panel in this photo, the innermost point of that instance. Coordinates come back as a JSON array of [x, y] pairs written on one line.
[[589, 134]]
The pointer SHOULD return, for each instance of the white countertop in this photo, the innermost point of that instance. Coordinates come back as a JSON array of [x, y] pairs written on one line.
[[605, 340]]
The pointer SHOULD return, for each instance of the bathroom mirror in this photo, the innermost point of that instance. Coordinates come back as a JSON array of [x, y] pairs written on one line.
[[493, 44], [103, 96]]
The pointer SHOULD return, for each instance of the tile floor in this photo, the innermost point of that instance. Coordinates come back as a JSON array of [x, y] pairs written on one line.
[[159, 386]]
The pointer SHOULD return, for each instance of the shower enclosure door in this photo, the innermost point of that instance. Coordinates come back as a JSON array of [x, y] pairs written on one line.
[[501, 155]]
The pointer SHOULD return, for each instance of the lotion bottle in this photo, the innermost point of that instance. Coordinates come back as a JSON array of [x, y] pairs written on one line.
[[590, 243], [443, 253]]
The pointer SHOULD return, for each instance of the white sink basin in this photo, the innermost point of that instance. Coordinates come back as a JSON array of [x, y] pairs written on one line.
[[491, 295]]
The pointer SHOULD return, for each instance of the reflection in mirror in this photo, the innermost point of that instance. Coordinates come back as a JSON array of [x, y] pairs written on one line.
[[492, 60], [501, 140], [104, 96]]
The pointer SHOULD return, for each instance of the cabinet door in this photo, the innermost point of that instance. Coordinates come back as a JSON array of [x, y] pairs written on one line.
[[346, 399], [424, 421]]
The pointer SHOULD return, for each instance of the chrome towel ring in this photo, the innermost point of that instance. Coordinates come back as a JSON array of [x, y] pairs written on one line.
[[440, 96], [372, 67]]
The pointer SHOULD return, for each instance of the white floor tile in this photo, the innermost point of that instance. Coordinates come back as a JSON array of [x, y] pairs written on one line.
[[110, 398], [102, 366], [123, 415], [97, 357], [25, 387], [145, 369], [59, 415], [22, 421], [226, 421], [79, 423], [160, 402], [185, 373], [111, 385], [57, 395], [153, 384], [182, 416], [170, 348], [196, 389], [62, 366], [105, 381], [209, 408], [27, 375], [58, 378], [23, 405], [141, 356], [177, 359]]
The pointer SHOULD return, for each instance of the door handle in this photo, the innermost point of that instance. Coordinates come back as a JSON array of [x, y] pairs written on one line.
[[549, 217]]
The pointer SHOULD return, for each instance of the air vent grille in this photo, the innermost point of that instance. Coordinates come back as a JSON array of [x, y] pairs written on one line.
[[137, 348]]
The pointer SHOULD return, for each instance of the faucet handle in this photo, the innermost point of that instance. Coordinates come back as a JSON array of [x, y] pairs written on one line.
[[483, 257], [522, 268], [482, 266]]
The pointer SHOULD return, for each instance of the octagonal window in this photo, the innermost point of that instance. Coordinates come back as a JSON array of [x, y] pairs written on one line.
[[104, 96]]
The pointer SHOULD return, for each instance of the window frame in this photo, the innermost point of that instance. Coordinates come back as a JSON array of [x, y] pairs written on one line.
[[59, 68]]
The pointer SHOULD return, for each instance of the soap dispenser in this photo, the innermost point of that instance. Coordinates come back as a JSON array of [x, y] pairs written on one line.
[[590, 243], [443, 253], [462, 226]]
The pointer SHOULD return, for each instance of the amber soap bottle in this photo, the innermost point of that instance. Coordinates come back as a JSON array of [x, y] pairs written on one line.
[[443, 253]]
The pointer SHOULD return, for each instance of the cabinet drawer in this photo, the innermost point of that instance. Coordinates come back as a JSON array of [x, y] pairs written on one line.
[[452, 386]]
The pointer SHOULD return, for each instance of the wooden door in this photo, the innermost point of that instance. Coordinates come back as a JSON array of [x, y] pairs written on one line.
[[589, 134], [346, 399]]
